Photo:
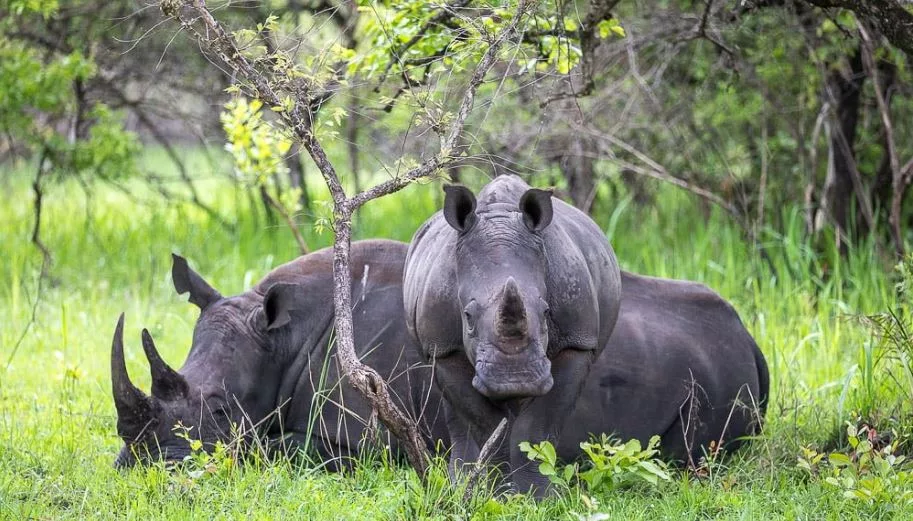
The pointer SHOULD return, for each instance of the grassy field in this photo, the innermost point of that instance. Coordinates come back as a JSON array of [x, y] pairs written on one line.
[[111, 254]]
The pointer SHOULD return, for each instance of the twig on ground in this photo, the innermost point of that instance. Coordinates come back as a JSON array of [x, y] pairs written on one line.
[[488, 450]]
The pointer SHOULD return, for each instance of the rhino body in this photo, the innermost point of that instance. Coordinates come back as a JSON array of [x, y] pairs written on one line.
[[270, 349], [512, 296], [680, 364]]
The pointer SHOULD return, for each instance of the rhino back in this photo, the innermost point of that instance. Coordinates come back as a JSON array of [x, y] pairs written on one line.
[[385, 256]]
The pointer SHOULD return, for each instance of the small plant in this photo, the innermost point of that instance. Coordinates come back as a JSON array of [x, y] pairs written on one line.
[[867, 473], [610, 465], [220, 461]]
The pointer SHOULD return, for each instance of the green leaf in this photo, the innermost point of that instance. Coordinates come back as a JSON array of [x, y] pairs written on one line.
[[840, 460]]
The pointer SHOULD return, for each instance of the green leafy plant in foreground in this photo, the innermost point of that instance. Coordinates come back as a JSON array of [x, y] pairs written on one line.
[[866, 473], [610, 465]]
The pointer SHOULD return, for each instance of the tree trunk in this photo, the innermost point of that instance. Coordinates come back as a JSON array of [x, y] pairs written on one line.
[[881, 188], [578, 168], [38, 191], [843, 90]]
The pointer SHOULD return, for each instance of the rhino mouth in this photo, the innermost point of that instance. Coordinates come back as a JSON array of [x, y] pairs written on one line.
[[132, 455], [505, 378]]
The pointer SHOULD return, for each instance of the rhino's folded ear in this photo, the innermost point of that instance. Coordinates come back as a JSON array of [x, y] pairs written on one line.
[[186, 280], [278, 302], [459, 207], [536, 206]]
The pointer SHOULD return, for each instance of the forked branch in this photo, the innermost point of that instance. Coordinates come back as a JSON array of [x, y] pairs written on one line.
[[270, 87]]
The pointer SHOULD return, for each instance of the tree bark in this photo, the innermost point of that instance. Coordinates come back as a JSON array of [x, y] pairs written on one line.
[[888, 17], [843, 89], [38, 191], [578, 166]]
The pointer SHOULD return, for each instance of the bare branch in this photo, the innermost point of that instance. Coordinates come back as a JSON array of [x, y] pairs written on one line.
[[488, 450], [898, 181]]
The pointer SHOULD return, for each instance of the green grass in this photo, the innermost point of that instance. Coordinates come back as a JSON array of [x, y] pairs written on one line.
[[111, 254]]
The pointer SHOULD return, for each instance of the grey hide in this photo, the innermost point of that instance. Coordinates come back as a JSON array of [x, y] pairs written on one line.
[[512, 295], [679, 364], [267, 350]]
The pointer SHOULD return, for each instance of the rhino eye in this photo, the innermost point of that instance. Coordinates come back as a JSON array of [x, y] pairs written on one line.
[[469, 317]]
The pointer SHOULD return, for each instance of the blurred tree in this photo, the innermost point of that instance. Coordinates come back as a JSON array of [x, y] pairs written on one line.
[[45, 111]]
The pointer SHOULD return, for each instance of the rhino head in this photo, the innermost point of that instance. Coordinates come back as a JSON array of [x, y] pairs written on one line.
[[218, 394], [501, 276]]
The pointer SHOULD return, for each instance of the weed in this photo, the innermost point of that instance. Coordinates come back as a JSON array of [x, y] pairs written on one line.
[[609, 465], [866, 472]]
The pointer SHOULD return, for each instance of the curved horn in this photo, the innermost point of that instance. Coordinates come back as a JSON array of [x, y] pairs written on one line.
[[512, 313], [167, 384], [134, 408]]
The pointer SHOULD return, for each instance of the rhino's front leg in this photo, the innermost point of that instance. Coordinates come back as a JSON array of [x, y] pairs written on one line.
[[543, 418], [471, 417]]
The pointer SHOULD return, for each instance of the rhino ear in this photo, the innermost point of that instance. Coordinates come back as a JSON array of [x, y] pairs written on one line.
[[278, 302], [536, 207], [187, 280], [459, 207]]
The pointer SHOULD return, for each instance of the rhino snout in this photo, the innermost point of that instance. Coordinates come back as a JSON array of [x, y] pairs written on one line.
[[503, 377]]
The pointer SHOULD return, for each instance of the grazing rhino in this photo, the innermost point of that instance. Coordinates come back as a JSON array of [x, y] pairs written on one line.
[[264, 360], [680, 364], [512, 296]]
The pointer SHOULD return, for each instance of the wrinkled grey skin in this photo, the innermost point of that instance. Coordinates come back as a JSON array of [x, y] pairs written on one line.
[[679, 364], [267, 350], [512, 296]]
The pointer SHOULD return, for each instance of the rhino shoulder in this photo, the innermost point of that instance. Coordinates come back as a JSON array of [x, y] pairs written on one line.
[[430, 288]]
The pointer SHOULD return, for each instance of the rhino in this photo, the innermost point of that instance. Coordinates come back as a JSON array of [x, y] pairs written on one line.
[[512, 296], [518, 302], [680, 364], [263, 363]]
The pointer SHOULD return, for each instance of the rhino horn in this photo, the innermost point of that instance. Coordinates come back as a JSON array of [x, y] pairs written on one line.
[[167, 384], [512, 313], [134, 408]]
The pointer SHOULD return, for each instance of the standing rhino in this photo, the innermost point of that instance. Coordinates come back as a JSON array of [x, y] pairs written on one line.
[[264, 359], [512, 296]]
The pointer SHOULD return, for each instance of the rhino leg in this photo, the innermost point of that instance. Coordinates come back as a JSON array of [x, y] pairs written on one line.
[[463, 447], [471, 417], [542, 419]]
